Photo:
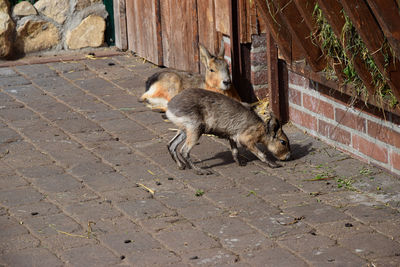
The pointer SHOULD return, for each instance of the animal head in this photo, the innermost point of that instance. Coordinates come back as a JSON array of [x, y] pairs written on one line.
[[217, 70], [278, 142]]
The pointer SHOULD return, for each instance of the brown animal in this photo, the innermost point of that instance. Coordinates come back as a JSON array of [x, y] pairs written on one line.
[[161, 87], [197, 112]]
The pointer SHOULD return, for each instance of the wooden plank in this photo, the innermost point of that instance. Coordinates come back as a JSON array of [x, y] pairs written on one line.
[[301, 34], [273, 76], [387, 14], [180, 34], [332, 10], [306, 9], [142, 30], [370, 32], [121, 38], [222, 18], [206, 22], [276, 26]]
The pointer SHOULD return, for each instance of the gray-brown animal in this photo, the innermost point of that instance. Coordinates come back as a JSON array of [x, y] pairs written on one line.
[[197, 112], [161, 87]]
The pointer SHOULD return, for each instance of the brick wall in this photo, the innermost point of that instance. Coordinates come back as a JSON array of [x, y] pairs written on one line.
[[361, 134], [258, 64]]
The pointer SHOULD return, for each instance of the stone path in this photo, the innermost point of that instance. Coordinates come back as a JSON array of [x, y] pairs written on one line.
[[77, 152]]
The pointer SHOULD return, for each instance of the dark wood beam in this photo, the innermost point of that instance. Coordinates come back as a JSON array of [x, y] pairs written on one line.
[[370, 32], [276, 26], [332, 10], [387, 14], [301, 34]]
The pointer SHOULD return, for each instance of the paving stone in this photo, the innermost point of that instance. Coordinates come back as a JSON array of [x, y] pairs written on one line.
[[92, 211], [154, 257], [390, 228], [317, 213], [7, 72], [16, 114], [376, 213], [11, 227], [78, 126], [127, 242], [389, 261], [42, 208], [65, 67], [57, 183], [78, 195], [380, 247], [273, 257], [144, 208], [278, 225], [10, 182], [247, 243], [212, 257], [341, 229], [31, 257], [16, 243], [90, 255], [107, 182], [79, 75], [91, 168], [19, 196], [114, 72], [121, 125], [333, 256], [105, 115], [186, 239], [225, 227], [36, 71], [306, 242], [13, 81], [157, 224]]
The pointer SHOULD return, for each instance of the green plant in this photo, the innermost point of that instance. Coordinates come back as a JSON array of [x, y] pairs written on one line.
[[346, 183], [199, 192], [337, 49]]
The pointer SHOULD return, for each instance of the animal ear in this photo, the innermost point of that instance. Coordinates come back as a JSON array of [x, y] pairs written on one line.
[[273, 125], [221, 52], [205, 56]]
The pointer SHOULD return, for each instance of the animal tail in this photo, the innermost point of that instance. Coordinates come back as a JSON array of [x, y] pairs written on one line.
[[151, 80]]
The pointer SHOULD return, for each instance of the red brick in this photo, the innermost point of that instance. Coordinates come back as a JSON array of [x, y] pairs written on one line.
[[295, 96], [227, 49], [262, 92], [297, 79], [395, 160], [383, 134], [259, 41], [303, 119], [259, 58], [334, 132], [259, 77], [318, 106], [350, 120], [370, 149]]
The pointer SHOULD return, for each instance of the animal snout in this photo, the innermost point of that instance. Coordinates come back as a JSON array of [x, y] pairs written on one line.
[[227, 82]]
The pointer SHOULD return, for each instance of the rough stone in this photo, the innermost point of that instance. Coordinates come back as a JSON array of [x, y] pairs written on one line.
[[82, 4], [24, 8], [6, 29], [56, 10], [90, 33], [36, 35]]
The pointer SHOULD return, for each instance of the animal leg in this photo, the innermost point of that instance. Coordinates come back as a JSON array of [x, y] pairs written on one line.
[[235, 153], [259, 154], [172, 146], [193, 135]]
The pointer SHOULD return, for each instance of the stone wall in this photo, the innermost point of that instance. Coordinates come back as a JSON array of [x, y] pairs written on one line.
[[51, 25]]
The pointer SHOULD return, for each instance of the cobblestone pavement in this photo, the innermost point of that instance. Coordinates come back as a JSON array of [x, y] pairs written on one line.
[[78, 152]]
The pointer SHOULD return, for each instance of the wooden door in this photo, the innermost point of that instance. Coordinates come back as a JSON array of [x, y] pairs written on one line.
[[179, 34], [143, 29]]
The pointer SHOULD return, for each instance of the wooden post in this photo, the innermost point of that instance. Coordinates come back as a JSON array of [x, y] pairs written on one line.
[[273, 76], [121, 39], [235, 44]]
